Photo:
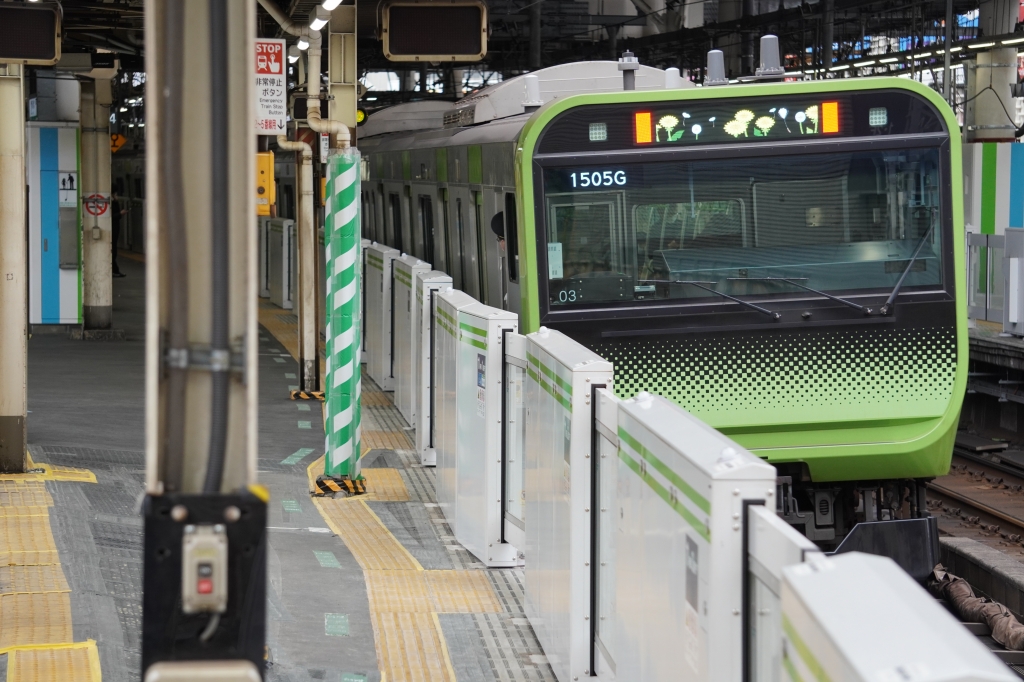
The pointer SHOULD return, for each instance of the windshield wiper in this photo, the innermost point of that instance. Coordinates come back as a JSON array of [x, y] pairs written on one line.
[[884, 310], [700, 285], [787, 280]]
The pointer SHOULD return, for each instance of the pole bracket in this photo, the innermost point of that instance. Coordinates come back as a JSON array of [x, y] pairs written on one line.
[[200, 356]]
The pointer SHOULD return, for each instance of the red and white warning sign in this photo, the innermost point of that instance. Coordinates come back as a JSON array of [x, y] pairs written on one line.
[[96, 204], [271, 91]]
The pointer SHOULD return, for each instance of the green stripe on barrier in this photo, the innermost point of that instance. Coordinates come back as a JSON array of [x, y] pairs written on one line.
[[791, 670], [657, 487], [806, 655], [562, 383], [550, 390], [473, 330], [444, 326], [446, 316], [663, 469], [473, 342]]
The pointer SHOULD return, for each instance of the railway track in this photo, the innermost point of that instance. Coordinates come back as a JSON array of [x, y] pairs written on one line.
[[985, 496]]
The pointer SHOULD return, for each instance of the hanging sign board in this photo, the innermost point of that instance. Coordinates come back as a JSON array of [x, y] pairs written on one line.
[[271, 90]]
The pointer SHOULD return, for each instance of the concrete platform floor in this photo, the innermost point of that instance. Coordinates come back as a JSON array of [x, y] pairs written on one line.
[[434, 615]]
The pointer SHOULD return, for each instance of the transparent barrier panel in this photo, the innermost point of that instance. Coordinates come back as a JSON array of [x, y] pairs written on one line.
[[976, 278], [607, 454], [515, 444]]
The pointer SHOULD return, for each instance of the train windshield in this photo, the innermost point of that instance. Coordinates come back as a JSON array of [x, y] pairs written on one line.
[[757, 227]]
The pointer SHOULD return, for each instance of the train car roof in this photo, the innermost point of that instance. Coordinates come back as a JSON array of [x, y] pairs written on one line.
[[496, 113]]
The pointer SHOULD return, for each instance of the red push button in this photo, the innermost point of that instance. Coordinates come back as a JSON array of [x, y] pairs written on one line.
[[204, 586]]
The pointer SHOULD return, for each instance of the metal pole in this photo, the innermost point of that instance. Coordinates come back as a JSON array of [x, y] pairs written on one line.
[[828, 34], [96, 232], [344, 333], [13, 272], [535, 37], [946, 72]]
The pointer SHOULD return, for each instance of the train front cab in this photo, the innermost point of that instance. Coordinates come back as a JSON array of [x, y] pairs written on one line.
[[734, 248]]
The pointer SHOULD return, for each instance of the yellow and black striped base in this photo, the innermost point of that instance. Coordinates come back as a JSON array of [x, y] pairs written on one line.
[[307, 395], [328, 486]]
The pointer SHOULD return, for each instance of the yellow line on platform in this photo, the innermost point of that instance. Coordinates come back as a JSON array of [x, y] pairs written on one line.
[[35, 600]]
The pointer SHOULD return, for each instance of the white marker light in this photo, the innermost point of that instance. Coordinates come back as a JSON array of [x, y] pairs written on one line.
[[302, 44], [330, 4]]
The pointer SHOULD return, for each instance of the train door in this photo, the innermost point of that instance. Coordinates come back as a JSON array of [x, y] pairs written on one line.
[[483, 241], [452, 246], [510, 254], [394, 219], [424, 207], [414, 236], [378, 215], [462, 214]]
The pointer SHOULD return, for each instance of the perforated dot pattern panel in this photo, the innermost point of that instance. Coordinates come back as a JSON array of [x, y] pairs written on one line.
[[792, 377]]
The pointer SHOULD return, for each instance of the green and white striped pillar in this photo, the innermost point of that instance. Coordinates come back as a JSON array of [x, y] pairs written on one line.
[[344, 378]]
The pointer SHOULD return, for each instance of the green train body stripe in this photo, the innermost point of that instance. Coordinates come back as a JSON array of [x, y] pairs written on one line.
[[445, 316], [657, 487], [661, 467], [806, 655], [473, 342], [473, 330], [561, 400], [562, 383]]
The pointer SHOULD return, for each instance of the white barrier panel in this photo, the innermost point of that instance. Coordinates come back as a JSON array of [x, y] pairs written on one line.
[[281, 262], [378, 318], [405, 271], [427, 286], [561, 376], [861, 618], [446, 429], [471, 471], [772, 545], [363, 358], [681, 492]]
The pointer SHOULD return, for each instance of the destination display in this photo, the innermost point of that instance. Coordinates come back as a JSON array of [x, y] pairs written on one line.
[[690, 121]]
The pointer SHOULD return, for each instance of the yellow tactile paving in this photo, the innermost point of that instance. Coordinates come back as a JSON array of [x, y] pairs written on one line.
[[34, 618], [386, 440], [78, 662], [24, 510], [411, 648], [26, 540], [461, 592], [374, 399], [37, 578], [398, 592], [20, 493], [48, 472], [370, 542], [385, 485]]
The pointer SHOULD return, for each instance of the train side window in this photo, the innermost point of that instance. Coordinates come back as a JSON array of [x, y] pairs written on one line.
[[427, 226], [481, 249], [395, 207], [452, 245], [461, 232], [511, 237]]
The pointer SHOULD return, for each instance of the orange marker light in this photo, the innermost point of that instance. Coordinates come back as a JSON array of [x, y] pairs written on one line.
[[643, 128], [830, 117]]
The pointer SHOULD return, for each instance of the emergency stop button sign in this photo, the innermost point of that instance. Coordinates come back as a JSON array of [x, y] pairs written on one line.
[[271, 91]]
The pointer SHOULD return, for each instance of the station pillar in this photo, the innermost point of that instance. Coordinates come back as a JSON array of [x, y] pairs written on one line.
[[990, 78], [97, 296], [13, 272]]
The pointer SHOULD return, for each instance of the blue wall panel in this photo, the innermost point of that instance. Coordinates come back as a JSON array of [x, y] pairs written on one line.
[[49, 246]]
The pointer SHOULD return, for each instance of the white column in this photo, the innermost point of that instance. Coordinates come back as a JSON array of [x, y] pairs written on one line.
[[96, 229]]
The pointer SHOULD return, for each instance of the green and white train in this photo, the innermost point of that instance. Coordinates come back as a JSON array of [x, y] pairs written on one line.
[[782, 260]]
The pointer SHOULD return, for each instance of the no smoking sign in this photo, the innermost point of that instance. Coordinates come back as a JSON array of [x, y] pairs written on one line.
[[96, 204]]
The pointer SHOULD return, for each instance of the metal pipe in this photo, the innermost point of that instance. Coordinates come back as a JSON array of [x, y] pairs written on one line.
[[946, 71], [336, 128], [535, 36], [172, 202], [220, 350]]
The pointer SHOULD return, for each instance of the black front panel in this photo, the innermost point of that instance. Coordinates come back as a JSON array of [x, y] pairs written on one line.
[[769, 119]]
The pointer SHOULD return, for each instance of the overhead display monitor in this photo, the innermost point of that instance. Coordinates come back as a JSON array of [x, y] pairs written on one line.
[[29, 35], [434, 30]]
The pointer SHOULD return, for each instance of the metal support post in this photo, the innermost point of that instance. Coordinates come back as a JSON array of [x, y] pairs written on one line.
[[13, 272], [204, 514], [827, 34], [535, 35], [947, 74], [96, 231], [344, 328]]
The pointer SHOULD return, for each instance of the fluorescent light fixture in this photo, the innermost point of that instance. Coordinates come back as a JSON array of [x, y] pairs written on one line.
[[1014, 41], [980, 46], [940, 52], [302, 44], [923, 55], [330, 4], [293, 54], [889, 60], [842, 67], [318, 18], [794, 73], [956, 49], [863, 64]]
